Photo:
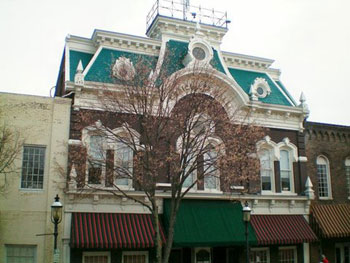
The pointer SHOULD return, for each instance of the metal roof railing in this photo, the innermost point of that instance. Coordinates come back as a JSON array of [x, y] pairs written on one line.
[[183, 10]]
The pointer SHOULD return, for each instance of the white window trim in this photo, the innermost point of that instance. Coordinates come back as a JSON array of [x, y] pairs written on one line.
[[268, 144], [128, 253], [329, 182], [341, 247], [293, 157], [97, 253], [294, 250], [99, 130], [267, 249]]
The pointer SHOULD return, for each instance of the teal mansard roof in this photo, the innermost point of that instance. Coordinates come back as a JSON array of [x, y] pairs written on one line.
[[245, 78]]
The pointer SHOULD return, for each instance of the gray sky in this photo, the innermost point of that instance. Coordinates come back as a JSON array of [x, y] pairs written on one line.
[[308, 39]]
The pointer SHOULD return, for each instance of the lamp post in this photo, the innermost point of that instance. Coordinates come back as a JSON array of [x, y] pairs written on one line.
[[246, 218], [56, 218]]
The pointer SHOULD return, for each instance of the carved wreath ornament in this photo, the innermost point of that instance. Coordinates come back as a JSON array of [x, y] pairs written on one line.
[[123, 69]]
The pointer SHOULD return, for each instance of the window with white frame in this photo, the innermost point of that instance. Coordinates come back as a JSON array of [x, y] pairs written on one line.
[[124, 159], [96, 157], [96, 257], [285, 170], [260, 255], [135, 257], [287, 255], [323, 176], [266, 170], [347, 174], [342, 253], [33, 165], [202, 255], [20, 253], [190, 169], [211, 172]]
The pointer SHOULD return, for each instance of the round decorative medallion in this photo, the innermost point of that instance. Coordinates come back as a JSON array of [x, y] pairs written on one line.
[[199, 53], [123, 69]]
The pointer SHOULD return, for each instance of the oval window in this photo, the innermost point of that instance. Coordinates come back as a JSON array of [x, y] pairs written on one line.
[[199, 53]]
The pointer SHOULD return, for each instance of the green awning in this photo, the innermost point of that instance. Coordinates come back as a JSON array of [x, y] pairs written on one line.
[[208, 223]]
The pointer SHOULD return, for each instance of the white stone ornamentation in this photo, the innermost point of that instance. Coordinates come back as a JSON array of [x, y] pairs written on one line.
[[259, 89], [123, 69]]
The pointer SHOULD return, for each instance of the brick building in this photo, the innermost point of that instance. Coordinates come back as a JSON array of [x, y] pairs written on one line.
[[105, 226], [328, 153]]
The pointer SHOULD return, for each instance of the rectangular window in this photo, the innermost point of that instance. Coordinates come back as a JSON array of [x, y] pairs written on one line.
[[96, 257], [124, 162], [259, 255], [285, 170], [342, 254], [96, 157], [20, 253], [33, 165], [190, 164], [266, 170], [211, 180], [287, 255], [135, 257]]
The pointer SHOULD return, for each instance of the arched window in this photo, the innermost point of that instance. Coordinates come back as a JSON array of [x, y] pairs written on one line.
[[323, 175], [347, 173]]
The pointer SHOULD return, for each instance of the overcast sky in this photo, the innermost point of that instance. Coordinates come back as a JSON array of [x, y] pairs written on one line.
[[308, 39]]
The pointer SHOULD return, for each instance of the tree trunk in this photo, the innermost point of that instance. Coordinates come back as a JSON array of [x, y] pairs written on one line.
[[158, 235]]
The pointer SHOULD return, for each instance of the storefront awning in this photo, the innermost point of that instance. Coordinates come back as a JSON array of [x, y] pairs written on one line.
[[111, 230], [202, 223], [282, 229], [331, 221]]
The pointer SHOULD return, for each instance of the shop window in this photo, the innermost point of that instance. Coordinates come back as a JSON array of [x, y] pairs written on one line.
[[259, 255], [202, 255], [323, 176], [33, 165], [135, 257], [20, 253], [347, 174], [287, 255], [96, 257], [342, 253]]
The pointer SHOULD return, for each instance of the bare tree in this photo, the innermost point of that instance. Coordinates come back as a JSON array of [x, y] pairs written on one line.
[[180, 134], [10, 147]]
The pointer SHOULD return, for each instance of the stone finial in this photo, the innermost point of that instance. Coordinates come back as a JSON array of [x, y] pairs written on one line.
[[79, 76], [309, 192], [303, 104]]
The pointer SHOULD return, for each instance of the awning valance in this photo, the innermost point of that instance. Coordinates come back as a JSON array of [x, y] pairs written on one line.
[[331, 221], [112, 230], [208, 223], [282, 229]]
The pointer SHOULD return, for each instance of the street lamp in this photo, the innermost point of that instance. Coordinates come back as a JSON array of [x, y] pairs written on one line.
[[246, 218], [56, 218]]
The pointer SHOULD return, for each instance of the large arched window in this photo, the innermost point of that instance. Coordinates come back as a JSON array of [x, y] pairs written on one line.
[[323, 176]]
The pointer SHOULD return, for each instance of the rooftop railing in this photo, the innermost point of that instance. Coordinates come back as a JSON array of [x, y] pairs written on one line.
[[184, 11]]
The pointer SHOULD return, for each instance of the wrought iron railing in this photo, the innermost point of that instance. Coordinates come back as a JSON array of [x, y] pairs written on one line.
[[183, 10]]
